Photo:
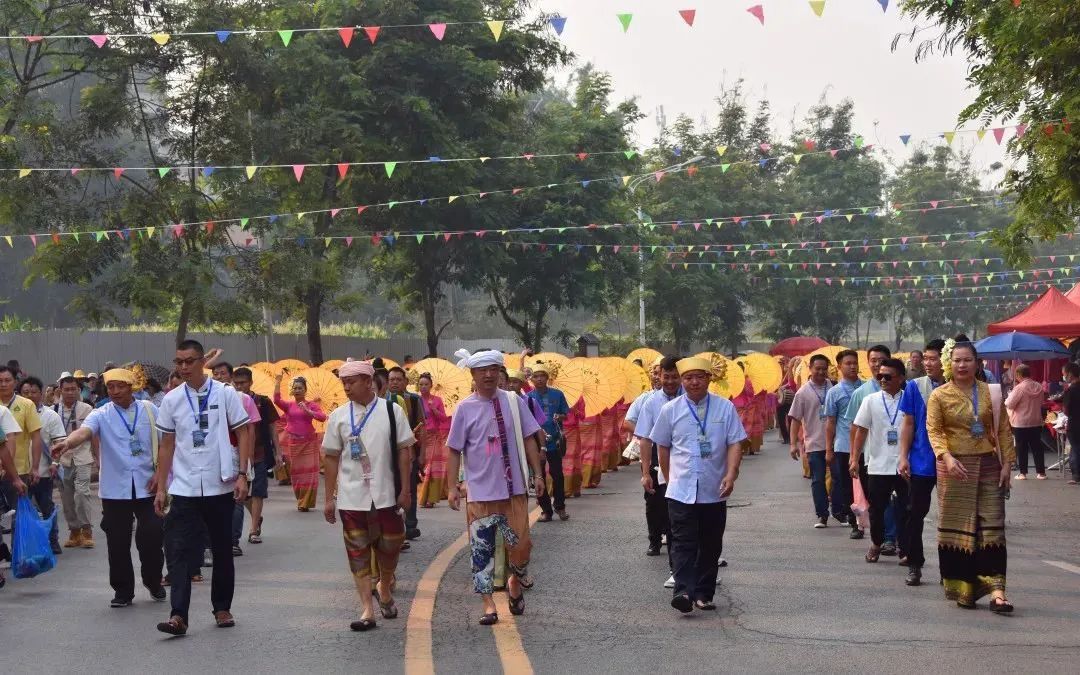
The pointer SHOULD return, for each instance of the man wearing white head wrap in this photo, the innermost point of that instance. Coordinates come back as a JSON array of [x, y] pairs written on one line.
[[495, 433]]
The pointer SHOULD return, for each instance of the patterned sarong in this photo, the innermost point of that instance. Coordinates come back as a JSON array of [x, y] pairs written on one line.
[[434, 488], [380, 532], [304, 458], [510, 517], [971, 529]]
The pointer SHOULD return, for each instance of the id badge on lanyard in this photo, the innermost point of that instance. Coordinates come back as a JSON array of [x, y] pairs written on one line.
[[705, 447], [202, 421], [892, 437], [977, 429]]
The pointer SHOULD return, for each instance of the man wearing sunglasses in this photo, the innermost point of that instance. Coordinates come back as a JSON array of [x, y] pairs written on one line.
[[877, 433]]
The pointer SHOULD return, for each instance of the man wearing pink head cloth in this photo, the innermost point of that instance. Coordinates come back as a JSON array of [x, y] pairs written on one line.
[[367, 444]]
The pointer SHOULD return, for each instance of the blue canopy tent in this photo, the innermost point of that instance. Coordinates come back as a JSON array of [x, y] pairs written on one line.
[[1020, 346]]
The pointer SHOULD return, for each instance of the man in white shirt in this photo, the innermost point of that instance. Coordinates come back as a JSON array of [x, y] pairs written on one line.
[[364, 484], [877, 433], [77, 463], [52, 430], [127, 440], [209, 475]]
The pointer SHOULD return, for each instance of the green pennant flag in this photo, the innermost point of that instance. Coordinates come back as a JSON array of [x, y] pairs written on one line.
[[625, 20], [98, 235], [419, 239], [708, 221], [560, 230], [948, 237], [862, 265], [559, 246], [864, 209], [598, 247], [652, 249], [76, 235], [859, 141], [243, 223], [391, 205], [163, 171], [390, 166], [724, 168], [910, 264], [768, 222], [286, 36], [629, 153]]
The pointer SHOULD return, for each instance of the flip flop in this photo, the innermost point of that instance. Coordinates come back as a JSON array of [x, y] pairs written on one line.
[[682, 603], [517, 605], [705, 605], [489, 619], [1000, 606], [362, 625]]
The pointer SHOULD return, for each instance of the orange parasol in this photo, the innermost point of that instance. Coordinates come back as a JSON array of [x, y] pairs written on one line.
[[293, 366], [323, 387], [733, 381], [864, 365], [547, 358], [588, 379], [646, 354], [512, 361], [637, 380], [763, 371], [270, 369], [450, 383], [332, 364], [830, 353], [262, 383]]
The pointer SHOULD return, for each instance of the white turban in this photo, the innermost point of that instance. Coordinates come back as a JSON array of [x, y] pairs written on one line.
[[490, 357]]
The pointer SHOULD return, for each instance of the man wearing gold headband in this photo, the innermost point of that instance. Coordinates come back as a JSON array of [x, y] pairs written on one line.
[[128, 446], [553, 403], [698, 435]]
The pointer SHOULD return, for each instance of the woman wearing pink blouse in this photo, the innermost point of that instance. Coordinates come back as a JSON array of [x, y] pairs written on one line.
[[1025, 403], [437, 425], [300, 443]]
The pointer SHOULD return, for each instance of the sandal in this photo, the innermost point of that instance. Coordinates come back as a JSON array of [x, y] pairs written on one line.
[[1000, 606], [196, 578], [682, 603], [517, 605], [873, 554], [224, 619], [489, 619], [362, 625], [174, 626], [255, 537], [705, 605], [389, 609], [526, 581]]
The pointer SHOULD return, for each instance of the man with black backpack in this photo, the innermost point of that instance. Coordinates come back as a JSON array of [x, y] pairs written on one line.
[[367, 446]]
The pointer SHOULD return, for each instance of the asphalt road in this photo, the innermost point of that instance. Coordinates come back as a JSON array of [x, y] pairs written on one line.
[[792, 599]]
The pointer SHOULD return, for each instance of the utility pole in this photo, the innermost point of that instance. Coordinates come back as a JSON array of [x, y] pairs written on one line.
[[268, 319]]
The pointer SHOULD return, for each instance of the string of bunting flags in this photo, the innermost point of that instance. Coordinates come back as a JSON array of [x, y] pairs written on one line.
[[437, 30], [390, 237], [898, 281], [980, 263]]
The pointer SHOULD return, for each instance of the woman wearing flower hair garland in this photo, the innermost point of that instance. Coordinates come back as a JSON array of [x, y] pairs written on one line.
[[300, 442], [974, 450]]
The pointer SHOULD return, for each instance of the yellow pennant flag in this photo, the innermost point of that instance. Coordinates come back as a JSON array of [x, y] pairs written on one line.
[[484, 159], [980, 133], [23, 173], [720, 150], [150, 232], [625, 180], [160, 38], [7, 238], [949, 136], [327, 240], [797, 158], [496, 28], [250, 171], [818, 6], [451, 199]]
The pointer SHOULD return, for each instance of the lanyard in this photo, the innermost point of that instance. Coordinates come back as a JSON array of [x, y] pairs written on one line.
[[352, 420], [821, 399], [203, 402], [123, 418], [891, 415], [975, 400], [693, 411], [71, 418]]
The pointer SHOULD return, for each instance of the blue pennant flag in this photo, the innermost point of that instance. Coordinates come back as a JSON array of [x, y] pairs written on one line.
[[558, 23], [207, 171], [905, 138], [222, 35]]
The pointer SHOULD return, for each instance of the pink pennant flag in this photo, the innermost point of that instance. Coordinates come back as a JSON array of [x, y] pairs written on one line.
[[99, 40], [697, 228], [74, 171], [438, 30], [832, 153], [33, 238], [177, 230], [117, 172], [247, 242], [342, 169], [765, 147], [348, 241], [56, 238], [34, 38], [446, 236], [483, 194], [375, 239], [334, 212], [360, 209], [819, 219], [999, 133], [934, 203], [373, 32], [809, 144], [1021, 129], [688, 16], [298, 171], [515, 191], [346, 35], [736, 219], [210, 227], [582, 155], [759, 12]]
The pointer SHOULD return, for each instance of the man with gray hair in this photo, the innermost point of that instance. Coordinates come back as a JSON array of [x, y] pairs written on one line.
[[495, 434]]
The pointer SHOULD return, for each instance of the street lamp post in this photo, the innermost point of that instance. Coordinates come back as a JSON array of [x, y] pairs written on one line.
[[632, 186]]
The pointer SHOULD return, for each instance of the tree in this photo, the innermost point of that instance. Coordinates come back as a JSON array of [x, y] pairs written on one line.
[[541, 273], [1023, 69]]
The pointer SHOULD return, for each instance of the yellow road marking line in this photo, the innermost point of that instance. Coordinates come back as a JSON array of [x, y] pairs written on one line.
[[419, 658]]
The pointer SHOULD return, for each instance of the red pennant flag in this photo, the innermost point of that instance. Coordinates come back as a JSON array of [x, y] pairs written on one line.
[[117, 172], [34, 38], [999, 133], [582, 155], [809, 144], [794, 221], [247, 242], [759, 12], [1049, 129], [346, 35], [1066, 126], [736, 219], [210, 227], [688, 16], [674, 227], [636, 248], [515, 191], [375, 239], [342, 169], [177, 230]]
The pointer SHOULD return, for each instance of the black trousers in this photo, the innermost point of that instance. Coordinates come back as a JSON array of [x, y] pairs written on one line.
[[411, 521], [918, 506], [117, 518], [184, 540], [1029, 439], [782, 422], [881, 491], [697, 541], [553, 464]]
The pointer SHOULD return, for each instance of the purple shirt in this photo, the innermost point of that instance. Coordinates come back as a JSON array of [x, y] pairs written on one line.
[[474, 433]]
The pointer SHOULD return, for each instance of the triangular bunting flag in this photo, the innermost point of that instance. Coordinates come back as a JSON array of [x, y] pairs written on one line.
[[999, 133], [222, 35], [757, 11], [163, 171], [818, 6], [23, 173], [372, 32], [160, 38], [625, 20], [342, 169], [389, 166], [250, 171], [346, 35], [496, 28], [99, 40], [298, 171], [904, 138], [558, 23], [949, 136], [286, 36], [438, 30], [688, 16]]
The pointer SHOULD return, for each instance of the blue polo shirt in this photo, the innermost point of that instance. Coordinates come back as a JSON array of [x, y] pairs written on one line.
[[921, 455], [836, 406]]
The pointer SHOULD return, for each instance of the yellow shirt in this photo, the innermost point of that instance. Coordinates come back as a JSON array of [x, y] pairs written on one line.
[[24, 412], [949, 417]]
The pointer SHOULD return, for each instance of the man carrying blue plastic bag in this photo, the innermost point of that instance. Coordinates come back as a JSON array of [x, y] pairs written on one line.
[[32, 555]]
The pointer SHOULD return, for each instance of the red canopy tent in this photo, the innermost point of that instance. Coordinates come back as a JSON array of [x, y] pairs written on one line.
[[1074, 294], [1052, 315], [799, 345]]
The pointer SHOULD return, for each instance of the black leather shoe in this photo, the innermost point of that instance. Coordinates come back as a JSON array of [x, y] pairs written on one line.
[[856, 534], [652, 550], [888, 548], [914, 577]]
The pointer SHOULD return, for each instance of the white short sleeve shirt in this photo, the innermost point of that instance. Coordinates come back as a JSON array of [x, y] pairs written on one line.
[[199, 471], [52, 430], [879, 414], [124, 475], [354, 492]]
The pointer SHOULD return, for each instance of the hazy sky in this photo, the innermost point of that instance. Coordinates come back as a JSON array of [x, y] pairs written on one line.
[[793, 59]]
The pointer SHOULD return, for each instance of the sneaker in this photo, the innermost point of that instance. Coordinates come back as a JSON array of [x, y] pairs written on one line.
[[722, 563], [1040, 476], [1021, 476], [207, 558], [117, 601], [670, 583], [237, 551], [412, 534], [821, 523], [856, 533], [914, 577], [888, 548], [652, 550], [158, 593], [6, 520]]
